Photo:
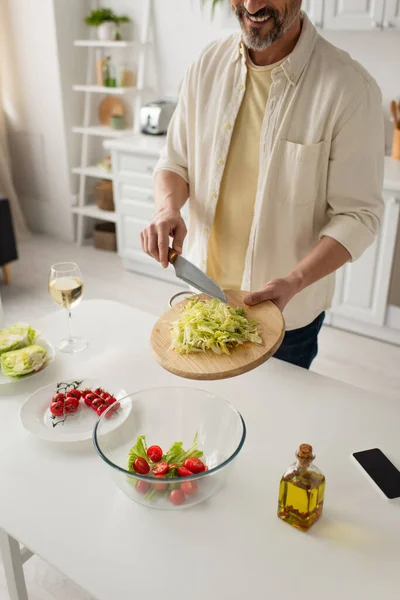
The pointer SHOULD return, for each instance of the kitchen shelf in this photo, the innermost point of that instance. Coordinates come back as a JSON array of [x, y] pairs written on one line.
[[101, 89], [94, 212], [103, 131], [104, 44], [93, 172], [92, 50]]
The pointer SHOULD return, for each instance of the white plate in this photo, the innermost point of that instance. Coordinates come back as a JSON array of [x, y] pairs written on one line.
[[36, 417], [50, 357]]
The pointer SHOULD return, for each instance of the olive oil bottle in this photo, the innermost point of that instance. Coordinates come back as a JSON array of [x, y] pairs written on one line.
[[301, 492]]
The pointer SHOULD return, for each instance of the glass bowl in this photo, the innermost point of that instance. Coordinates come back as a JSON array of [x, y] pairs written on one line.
[[166, 415]]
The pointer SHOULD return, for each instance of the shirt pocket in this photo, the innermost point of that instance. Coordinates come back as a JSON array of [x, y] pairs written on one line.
[[300, 174]]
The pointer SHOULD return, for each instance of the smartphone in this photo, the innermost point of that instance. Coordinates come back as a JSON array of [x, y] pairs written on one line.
[[381, 470]]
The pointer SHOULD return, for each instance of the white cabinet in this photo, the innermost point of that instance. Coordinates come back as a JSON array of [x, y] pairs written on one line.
[[391, 18], [133, 165], [314, 10], [362, 287], [353, 14]]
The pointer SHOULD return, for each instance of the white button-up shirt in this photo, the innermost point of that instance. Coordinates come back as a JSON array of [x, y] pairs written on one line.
[[321, 159]]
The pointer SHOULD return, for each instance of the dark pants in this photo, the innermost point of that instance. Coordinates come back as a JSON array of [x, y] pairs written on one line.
[[300, 346]]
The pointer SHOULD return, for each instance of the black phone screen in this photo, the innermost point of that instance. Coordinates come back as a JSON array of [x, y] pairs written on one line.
[[381, 470]]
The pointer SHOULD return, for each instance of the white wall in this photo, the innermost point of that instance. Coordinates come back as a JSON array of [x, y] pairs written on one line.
[[69, 23], [37, 133]]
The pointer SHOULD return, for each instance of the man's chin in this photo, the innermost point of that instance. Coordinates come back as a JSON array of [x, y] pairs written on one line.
[[257, 32]]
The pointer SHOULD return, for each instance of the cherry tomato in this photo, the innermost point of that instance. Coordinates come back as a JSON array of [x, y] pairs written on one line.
[[96, 402], [205, 468], [104, 396], [189, 487], [71, 402], [69, 409], [155, 453], [143, 486], [141, 466], [74, 394], [100, 409], [57, 408], [110, 400], [112, 410], [89, 398], [160, 468], [176, 497], [173, 466], [98, 391], [160, 486], [184, 472], [85, 392], [195, 465], [58, 397]]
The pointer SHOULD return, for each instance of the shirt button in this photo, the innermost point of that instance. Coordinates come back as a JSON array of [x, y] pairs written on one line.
[[293, 77], [214, 195], [228, 126], [240, 87], [207, 231], [203, 264], [220, 161]]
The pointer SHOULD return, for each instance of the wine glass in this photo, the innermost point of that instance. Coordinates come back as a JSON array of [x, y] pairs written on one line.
[[66, 290]]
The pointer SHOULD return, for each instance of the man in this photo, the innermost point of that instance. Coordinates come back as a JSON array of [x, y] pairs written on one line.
[[278, 141]]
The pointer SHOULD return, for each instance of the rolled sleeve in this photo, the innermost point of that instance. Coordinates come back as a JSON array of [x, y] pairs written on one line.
[[355, 178], [174, 155]]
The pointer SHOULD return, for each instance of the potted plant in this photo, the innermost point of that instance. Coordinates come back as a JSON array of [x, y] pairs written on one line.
[[107, 23]]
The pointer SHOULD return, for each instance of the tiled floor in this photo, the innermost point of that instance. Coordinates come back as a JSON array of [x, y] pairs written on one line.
[[366, 363]]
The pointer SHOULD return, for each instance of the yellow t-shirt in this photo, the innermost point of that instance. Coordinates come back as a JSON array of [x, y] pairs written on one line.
[[230, 233]]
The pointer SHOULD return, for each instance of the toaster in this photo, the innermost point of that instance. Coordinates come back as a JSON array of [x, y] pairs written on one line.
[[155, 117]]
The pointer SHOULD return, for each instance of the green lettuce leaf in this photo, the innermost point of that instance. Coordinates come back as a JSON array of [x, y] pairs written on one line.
[[16, 336], [138, 450], [24, 361], [212, 325], [176, 454]]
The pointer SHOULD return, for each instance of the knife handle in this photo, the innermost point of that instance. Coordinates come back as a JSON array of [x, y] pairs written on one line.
[[172, 255]]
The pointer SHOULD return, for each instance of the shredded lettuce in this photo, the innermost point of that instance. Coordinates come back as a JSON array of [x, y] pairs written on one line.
[[212, 325], [24, 361], [16, 336]]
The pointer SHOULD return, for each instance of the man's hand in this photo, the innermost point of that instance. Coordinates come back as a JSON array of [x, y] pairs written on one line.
[[327, 256], [155, 238], [280, 291]]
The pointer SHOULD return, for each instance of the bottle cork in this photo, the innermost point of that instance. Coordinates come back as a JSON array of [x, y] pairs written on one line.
[[305, 452]]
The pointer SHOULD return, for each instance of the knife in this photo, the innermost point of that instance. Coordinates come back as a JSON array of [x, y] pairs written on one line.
[[194, 276]]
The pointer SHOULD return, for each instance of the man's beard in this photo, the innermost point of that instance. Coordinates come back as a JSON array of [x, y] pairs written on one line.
[[254, 39]]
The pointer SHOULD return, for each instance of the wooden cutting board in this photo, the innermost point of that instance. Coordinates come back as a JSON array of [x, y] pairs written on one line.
[[212, 366], [111, 105]]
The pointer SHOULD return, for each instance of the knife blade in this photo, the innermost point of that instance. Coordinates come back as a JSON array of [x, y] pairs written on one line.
[[194, 276]]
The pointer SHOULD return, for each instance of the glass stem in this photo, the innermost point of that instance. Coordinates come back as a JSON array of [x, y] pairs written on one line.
[[70, 339]]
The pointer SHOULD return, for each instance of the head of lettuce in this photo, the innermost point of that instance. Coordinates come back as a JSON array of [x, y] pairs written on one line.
[[17, 336], [24, 361]]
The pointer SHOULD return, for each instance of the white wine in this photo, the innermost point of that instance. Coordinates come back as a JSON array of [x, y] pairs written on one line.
[[66, 291]]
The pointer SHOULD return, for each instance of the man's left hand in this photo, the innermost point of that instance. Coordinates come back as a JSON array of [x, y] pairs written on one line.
[[279, 291]]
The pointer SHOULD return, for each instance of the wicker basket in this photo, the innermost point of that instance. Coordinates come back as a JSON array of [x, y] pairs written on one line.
[[104, 237], [103, 193]]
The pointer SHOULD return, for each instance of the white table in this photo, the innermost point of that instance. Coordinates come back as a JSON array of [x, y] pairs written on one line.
[[60, 502]]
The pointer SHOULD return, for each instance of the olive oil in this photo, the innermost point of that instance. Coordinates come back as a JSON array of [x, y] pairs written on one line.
[[301, 491]]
